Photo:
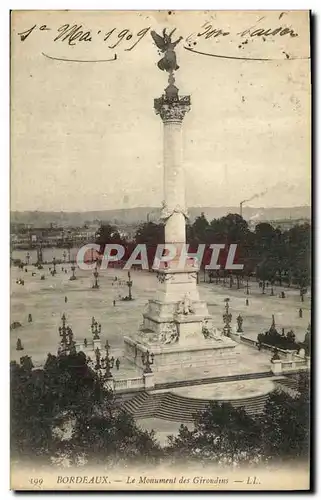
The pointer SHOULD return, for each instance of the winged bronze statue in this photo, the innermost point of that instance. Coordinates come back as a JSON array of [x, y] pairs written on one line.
[[165, 45]]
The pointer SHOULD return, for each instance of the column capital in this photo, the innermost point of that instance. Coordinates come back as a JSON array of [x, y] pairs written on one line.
[[172, 109]]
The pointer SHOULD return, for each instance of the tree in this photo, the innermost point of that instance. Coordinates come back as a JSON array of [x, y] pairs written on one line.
[[285, 425], [200, 229], [150, 233], [64, 412], [111, 438], [108, 234], [222, 434]]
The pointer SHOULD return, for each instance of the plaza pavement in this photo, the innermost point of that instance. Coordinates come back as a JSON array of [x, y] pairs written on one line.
[[44, 300]]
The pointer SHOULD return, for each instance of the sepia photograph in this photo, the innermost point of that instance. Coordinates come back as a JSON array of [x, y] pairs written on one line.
[[160, 250]]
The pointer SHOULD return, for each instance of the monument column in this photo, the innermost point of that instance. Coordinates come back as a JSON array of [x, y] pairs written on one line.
[[176, 324], [172, 110]]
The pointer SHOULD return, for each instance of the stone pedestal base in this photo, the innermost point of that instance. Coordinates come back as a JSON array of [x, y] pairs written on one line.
[[177, 357]]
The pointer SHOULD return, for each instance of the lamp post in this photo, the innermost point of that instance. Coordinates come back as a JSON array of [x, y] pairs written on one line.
[[227, 318], [129, 284], [73, 268], [64, 334], [64, 255], [28, 258], [39, 256], [106, 363], [71, 343], [54, 265], [247, 287], [147, 360], [96, 275]]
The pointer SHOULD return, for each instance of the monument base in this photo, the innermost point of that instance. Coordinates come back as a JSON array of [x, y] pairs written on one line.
[[179, 357]]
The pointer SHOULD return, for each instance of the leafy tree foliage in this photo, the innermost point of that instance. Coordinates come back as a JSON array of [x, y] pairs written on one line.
[[150, 233], [222, 434], [275, 256], [285, 424], [64, 412], [108, 234]]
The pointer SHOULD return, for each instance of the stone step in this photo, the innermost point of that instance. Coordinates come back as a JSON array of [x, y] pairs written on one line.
[[170, 406], [212, 380], [133, 404]]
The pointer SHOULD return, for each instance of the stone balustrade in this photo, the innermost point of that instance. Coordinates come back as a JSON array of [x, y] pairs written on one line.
[[297, 363], [145, 382]]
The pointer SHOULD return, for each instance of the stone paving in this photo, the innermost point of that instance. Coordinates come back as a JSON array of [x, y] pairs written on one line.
[[45, 300]]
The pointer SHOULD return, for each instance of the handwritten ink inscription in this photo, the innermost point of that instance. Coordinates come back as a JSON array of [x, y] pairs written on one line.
[[71, 34], [126, 39]]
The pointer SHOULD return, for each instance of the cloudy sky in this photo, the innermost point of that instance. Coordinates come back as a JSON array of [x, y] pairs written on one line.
[[84, 136]]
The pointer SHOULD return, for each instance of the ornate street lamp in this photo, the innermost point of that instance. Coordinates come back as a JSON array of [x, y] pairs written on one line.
[[71, 343], [64, 334], [96, 275], [73, 268], [129, 284], [54, 266], [106, 363], [227, 318]]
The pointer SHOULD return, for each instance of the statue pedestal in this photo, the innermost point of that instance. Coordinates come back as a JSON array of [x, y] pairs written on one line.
[[218, 353], [174, 328]]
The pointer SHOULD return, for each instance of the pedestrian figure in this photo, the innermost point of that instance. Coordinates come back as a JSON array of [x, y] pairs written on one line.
[[85, 342], [66, 300], [283, 332], [29, 318], [117, 363], [300, 313], [19, 345], [114, 302], [65, 271], [247, 302], [62, 268], [49, 269], [26, 270], [282, 295]]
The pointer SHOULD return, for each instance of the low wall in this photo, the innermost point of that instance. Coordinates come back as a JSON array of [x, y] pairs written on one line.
[[284, 353], [129, 384], [279, 366]]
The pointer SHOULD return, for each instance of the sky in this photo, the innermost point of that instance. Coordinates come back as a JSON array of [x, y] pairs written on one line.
[[84, 136]]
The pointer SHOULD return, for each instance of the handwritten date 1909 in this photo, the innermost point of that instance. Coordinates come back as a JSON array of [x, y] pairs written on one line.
[[71, 34]]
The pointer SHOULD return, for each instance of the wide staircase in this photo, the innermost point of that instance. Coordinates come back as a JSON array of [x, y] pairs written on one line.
[[171, 406]]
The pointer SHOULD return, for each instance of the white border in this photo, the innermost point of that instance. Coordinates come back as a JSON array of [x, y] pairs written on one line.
[[4, 184]]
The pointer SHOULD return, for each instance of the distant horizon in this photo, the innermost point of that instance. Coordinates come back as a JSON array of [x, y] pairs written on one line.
[[159, 206]]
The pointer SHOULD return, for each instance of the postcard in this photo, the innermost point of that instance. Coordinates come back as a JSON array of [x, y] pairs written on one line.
[[160, 248]]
